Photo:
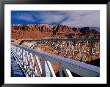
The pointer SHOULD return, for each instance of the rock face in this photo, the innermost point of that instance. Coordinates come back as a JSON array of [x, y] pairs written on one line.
[[38, 31]]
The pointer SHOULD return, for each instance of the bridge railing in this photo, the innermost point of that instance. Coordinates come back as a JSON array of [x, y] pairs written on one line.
[[36, 63]]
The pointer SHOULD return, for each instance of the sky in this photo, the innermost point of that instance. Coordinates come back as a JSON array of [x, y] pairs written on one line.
[[72, 18]]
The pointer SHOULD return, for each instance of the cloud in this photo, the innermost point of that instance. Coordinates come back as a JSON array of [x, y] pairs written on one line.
[[75, 18], [50, 17], [24, 17], [83, 18]]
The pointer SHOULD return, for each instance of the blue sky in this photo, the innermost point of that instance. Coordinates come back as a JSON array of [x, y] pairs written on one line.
[[73, 18]]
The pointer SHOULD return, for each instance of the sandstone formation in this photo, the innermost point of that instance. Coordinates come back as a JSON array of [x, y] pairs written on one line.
[[39, 31]]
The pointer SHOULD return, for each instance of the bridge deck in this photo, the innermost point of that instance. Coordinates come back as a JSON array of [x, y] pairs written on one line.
[[16, 71], [77, 67]]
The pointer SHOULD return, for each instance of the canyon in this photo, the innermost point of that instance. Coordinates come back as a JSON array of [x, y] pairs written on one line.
[[39, 31]]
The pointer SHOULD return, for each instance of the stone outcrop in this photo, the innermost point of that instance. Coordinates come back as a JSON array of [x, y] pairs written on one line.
[[38, 31]]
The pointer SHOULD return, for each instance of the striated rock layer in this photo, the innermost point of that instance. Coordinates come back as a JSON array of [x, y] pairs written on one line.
[[38, 31]]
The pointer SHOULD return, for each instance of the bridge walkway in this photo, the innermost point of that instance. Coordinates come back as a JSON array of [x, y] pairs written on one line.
[[15, 69]]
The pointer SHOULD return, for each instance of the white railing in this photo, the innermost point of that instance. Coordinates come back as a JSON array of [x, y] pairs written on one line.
[[35, 63]]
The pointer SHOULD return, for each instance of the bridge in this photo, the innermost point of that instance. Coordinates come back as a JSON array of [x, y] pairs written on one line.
[[62, 39], [36, 63]]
